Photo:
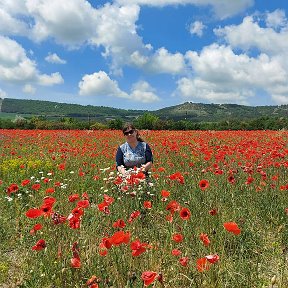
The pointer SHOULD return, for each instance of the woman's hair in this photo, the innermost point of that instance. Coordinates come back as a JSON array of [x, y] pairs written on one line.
[[131, 126]]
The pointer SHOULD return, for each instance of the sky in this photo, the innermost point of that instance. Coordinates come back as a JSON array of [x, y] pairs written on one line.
[[145, 54]]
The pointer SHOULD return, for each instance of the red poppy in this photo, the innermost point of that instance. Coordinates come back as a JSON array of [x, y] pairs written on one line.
[[176, 252], [40, 245], [213, 212], [165, 193], [232, 227], [36, 227], [203, 184], [177, 237], [83, 204], [36, 186], [184, 261], [204, 238], [12, 188], [34, 213], [173, 206], [119, 224], [138, 248], [25, 182], [133, 216], [148, 277], [212, 258], [119, 237], [202, 264], [185, 213], [147, 204], [75, 262], [50, 190]]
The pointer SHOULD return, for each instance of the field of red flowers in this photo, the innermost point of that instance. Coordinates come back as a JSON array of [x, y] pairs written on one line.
[[212, 213]]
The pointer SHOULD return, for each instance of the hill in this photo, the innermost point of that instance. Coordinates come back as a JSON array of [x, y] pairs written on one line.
[[196, 112]]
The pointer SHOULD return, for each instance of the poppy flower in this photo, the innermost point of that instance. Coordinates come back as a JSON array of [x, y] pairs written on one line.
[[36, 227], [213, 212], [133, 216], [212, 258], [185, 213], [165, 193], [25, 182], [232, 227], [73, 197], [119, 224], [40, 245], [204, 238], [202, 264], [120, 237], [203, 184], [34, 213], [83, 204], [184, 261], [147, 204], [12, 188], [176, 252], [36, 186], [173, 206], [75, 263], [148, 277], [177, 237], [138, 248], [50, 190]]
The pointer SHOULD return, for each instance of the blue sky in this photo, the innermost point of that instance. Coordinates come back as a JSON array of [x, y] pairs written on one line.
[[145, 54]]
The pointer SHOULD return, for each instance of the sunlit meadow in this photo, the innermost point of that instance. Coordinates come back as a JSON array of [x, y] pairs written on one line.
[[212, 213]]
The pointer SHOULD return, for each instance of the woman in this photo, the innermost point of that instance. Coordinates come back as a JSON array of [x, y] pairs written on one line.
[[134, 152]]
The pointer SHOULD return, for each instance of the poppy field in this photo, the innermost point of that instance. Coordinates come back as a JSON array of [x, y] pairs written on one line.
[[212, 213]]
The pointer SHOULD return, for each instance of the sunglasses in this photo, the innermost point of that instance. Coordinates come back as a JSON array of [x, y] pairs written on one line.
[[130, 132]]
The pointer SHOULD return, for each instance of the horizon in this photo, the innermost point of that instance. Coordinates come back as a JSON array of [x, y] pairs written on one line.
[[128, 54]]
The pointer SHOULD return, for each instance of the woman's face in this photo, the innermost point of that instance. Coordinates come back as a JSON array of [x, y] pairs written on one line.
[[130, 133]]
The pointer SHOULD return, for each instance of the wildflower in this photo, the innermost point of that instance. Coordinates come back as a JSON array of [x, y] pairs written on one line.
[[202, 264], [25, 182], [177, 237], [36, 186], [50, 190], [213, 212], [185, 213], [147, 204], [119, 224], [12, 188], [138, 248], [83, 204], [148, 277], [232, 227], [119, 237], [203, 184], [34, 213], [176, 252], [173, 206], [36, 227], [165, 193], [40, 245], [184, 261], [204, 238], [212, 258], [133, 216]]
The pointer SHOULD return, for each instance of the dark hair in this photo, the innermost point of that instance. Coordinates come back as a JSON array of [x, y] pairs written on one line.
[[131, 126]]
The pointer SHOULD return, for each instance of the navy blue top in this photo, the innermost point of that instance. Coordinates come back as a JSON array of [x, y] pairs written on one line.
[[129, 157]]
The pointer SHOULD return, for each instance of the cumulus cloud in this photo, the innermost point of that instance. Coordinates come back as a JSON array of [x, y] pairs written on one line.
[[222, 76], [54, 58], [143, 92], [276, 19], [100, 84], [16, 67], [197, 28]]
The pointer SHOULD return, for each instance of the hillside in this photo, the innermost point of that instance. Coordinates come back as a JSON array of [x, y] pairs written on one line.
[[197, 112]]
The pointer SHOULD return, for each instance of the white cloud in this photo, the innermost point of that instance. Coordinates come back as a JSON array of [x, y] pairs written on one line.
[[221, 76], [100, 84], [197, 28], [54, 58], [68, 22], [16, 67], [276, 19], [165, 62], [250, 35], [143, 92], [29, 89], [49, 80], [222, 8], [3, 94]]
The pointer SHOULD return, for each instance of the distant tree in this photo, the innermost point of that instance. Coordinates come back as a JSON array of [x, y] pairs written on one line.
[[115, 124], [147, 121]]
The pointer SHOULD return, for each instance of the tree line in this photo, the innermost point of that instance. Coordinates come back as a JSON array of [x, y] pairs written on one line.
[[145, 121]]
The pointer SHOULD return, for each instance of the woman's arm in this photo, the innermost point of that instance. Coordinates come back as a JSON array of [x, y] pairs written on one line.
[[120, 161]]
